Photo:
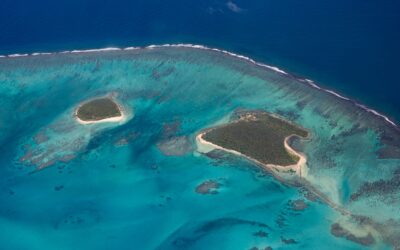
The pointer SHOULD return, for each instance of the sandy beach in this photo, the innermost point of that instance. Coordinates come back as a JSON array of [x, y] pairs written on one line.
[[112, 119]]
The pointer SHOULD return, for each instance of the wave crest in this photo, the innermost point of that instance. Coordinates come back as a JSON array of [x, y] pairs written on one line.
[[197, 46]]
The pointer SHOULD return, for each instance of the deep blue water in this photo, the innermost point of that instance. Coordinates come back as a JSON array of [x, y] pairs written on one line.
[[349, 46]]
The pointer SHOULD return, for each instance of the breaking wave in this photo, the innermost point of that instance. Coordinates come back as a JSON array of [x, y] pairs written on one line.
[[196, 46]]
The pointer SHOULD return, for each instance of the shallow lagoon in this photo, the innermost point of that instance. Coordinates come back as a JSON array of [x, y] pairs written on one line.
[[105, 186]]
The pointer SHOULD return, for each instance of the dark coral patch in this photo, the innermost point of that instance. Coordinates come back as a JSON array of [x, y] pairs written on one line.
[[208, 187], [338, 231], [380, 187]]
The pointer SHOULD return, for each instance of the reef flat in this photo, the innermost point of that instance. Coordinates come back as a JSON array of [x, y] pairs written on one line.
[[135, 183]]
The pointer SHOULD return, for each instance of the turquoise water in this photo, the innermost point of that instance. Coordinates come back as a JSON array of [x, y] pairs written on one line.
[[64, 185]]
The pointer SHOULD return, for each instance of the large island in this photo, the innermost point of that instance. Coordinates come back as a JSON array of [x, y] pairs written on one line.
[[259, 136]]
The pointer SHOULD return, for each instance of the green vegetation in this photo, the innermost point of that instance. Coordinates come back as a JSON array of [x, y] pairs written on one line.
[[98, 109], [258, 135]]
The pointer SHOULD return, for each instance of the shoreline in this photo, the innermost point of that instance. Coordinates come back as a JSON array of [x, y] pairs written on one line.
[[298, 168], [106, 120], [225, 52]]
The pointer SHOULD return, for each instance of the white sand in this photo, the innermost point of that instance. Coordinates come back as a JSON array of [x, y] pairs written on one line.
[[121, 118]]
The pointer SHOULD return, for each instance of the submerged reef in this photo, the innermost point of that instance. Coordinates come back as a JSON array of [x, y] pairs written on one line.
[[379, 188], [208, 187], [338, 231], [122, 172]]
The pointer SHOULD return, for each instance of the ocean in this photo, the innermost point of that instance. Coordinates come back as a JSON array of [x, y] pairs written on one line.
[[348, 46]]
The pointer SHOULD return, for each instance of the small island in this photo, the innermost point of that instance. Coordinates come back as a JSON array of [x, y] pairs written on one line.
[[259, 136], [103, 109]]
